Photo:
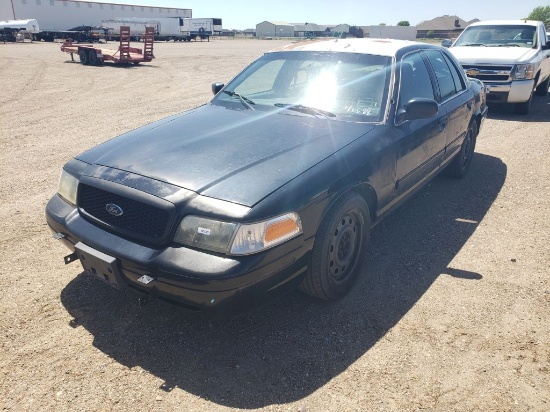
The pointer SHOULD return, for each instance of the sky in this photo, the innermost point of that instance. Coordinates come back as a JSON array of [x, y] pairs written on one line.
[[245, 14]]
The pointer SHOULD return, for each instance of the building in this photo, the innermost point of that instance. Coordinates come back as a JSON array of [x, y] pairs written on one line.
[[317, 30], [390, 32], [442, 27], [274, 29], [66, 14]]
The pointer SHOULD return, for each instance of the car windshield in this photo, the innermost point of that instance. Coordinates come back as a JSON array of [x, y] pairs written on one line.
[[337, 86], [498, 36]]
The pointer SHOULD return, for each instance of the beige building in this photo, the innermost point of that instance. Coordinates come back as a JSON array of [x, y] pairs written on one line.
[[274, 29]]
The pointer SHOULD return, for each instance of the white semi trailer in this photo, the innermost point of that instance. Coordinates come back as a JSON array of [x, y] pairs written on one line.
[[166, 28], [201, 28]]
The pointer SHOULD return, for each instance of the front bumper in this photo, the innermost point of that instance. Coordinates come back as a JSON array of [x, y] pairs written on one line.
[[518, 91], [197, 280]]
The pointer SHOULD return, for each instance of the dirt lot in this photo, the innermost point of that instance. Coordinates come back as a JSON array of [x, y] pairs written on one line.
[[452, 314]]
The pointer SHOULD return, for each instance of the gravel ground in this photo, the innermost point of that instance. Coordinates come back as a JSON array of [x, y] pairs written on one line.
[[451, 315]]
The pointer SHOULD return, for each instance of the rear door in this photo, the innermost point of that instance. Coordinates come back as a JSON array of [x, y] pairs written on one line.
[[454, 97], [421, 144]]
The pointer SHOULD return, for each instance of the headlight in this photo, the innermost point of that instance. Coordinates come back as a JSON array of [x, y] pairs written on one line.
[[524, 72], [67, 187], [205, 233], [235, 238]]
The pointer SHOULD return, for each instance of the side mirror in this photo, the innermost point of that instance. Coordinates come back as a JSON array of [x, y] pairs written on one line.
[[418, 108], [446, 43], [546, 46], [216, 87]]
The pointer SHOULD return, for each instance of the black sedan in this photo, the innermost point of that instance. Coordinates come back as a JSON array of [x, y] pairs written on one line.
[[277, 182]]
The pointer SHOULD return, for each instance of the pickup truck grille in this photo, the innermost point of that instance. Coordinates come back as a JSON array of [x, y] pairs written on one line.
[[499, 74], [138, 220]]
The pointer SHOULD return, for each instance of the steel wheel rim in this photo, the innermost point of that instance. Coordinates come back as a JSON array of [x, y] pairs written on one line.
[[344, 247]]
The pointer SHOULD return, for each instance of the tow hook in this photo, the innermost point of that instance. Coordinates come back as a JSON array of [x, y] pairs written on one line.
[[70, 258]]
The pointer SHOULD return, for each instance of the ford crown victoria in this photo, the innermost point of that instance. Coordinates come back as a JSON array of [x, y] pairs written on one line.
[[277, 181]]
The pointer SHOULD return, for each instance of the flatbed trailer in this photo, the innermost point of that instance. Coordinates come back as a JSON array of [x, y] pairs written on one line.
[[90, 54]]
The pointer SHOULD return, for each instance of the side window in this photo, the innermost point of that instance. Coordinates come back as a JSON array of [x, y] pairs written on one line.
[[458, 79], [415, 79], [442, 73]]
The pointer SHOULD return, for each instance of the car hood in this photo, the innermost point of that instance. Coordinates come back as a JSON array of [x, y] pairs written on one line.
[[492, 55], [239, 156]]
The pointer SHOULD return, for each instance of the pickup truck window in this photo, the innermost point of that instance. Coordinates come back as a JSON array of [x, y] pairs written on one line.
[[498, 36]]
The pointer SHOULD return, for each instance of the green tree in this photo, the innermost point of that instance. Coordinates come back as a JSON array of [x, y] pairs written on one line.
[[403, 23], [541, 13], [382, 24], [430, 34]]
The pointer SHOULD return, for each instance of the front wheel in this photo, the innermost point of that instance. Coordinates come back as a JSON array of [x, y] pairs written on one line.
[[525, 107], [338, 255], [461, 163], [542, 89]]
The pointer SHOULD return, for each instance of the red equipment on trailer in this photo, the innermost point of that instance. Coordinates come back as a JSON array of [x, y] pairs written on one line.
[[93, 55]]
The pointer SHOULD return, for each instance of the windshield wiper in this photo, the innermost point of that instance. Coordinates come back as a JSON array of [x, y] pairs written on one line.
[[305, 109], [244, 100], [475, 44]]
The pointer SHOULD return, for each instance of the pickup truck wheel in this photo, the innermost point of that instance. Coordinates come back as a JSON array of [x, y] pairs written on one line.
[[338, 254], [542, 89], [83, 56], [461, 163], [525, 107]]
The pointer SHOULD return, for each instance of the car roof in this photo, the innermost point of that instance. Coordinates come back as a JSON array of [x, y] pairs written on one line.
[[380, 47], [505, 23]]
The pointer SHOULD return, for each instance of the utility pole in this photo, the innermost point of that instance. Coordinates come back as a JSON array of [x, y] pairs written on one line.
[[13, 10]]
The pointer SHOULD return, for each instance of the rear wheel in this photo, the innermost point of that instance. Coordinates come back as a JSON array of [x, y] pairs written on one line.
[[542, 89], [93, 59], [461, 163], [338, 255], [83, 56]]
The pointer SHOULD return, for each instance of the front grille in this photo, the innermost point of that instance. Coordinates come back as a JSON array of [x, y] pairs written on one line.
[[138, 218], [500, 74]]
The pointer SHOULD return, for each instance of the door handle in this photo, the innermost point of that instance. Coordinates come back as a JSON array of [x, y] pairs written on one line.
[[443, 123], [469, 105]]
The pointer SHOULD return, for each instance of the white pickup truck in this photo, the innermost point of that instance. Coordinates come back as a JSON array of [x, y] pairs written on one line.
[[511, 57]]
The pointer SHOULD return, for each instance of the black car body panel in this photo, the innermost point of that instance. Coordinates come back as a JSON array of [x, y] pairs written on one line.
[[241, 162], [233, 151]]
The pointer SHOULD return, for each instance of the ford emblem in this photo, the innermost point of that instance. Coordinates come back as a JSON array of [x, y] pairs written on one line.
[[113, 209]]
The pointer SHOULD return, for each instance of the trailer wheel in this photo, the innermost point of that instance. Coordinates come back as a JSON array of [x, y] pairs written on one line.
[[83, 56], [93, 59]]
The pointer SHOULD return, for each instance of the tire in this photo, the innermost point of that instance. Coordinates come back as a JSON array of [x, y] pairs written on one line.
[[338, 254], [459, 166], [83, 56], [542, 89], [525, 107], [93, 59]]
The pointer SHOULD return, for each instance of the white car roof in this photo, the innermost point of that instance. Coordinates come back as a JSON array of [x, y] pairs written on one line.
[[379, 47]]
